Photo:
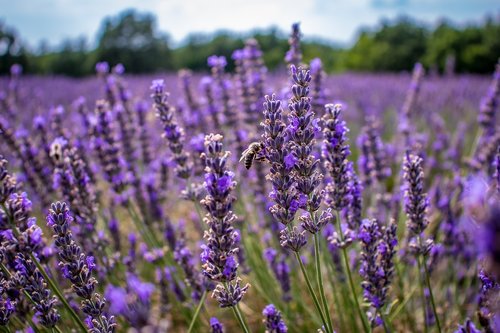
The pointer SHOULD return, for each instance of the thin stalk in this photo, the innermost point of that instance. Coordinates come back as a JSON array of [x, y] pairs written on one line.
[[349, 276], [241, 313], [330, 271], [422, 293], [403, 299], [403, 305], [311, 292], [386, 324], [143, 228], [319, 277], [197, 312], [237, 314], [427, 279], [475, 143], [201, 225]]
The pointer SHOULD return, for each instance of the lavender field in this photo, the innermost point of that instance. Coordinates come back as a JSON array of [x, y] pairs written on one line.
[[252, 201]]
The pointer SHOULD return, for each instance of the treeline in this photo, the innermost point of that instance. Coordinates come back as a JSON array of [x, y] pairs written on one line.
[[132, 38]]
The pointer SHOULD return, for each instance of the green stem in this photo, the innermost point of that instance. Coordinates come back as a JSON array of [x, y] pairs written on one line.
[[319, 277], [349, 276], [402, 305], [475, 143], [58, 329], [237, 313], [197, 312], [143, 229], [311, 292], [196, 207], [238, 316], [422, 293], [330, 271], [387, 324], [431, 295], [403, 296]]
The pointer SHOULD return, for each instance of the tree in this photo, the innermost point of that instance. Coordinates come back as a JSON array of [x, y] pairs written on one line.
[[132, 39], [11, 49], [394, 46]]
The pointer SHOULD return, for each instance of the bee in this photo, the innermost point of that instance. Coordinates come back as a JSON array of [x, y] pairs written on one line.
[[252, 153], [57, 150]]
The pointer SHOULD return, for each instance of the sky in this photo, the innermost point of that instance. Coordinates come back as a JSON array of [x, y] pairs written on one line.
[[336, 20]]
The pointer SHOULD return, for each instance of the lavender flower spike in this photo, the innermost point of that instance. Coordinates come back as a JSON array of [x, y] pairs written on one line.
[[216, 326], [222, 240], [416, 201], [273, 321], [468, 327], [77, 267], [282, 160], [377, 265], [301, 130], [489, 103], [34, 284], [172, 131], [294, 55], [416, 204], [335, 152]]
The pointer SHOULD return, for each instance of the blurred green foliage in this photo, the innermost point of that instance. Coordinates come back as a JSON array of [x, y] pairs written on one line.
[[133, 39]]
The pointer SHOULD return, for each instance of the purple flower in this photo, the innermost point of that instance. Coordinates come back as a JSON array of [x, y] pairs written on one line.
[[185, 259], [294, 55], [36, 286], [119, 69], [335, 152], [416, 201], [489, 103], [142, 289], [225, 182], [290, 161], [468, 327], [315, 65], [77, 267], [273, 321], [222, 240], [216, 61], [172, 131], [197, 143], [16, 70], [280, 269], [6, 310], [377, 266], [117, 298], [102, 68], [238, 55], [373, 163], [230, 267], [216, 326]]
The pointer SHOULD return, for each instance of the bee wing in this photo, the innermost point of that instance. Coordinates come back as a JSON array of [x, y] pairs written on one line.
[[244, 154]]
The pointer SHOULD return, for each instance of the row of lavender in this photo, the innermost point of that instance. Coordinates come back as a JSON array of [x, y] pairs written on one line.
[[404, 224]]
